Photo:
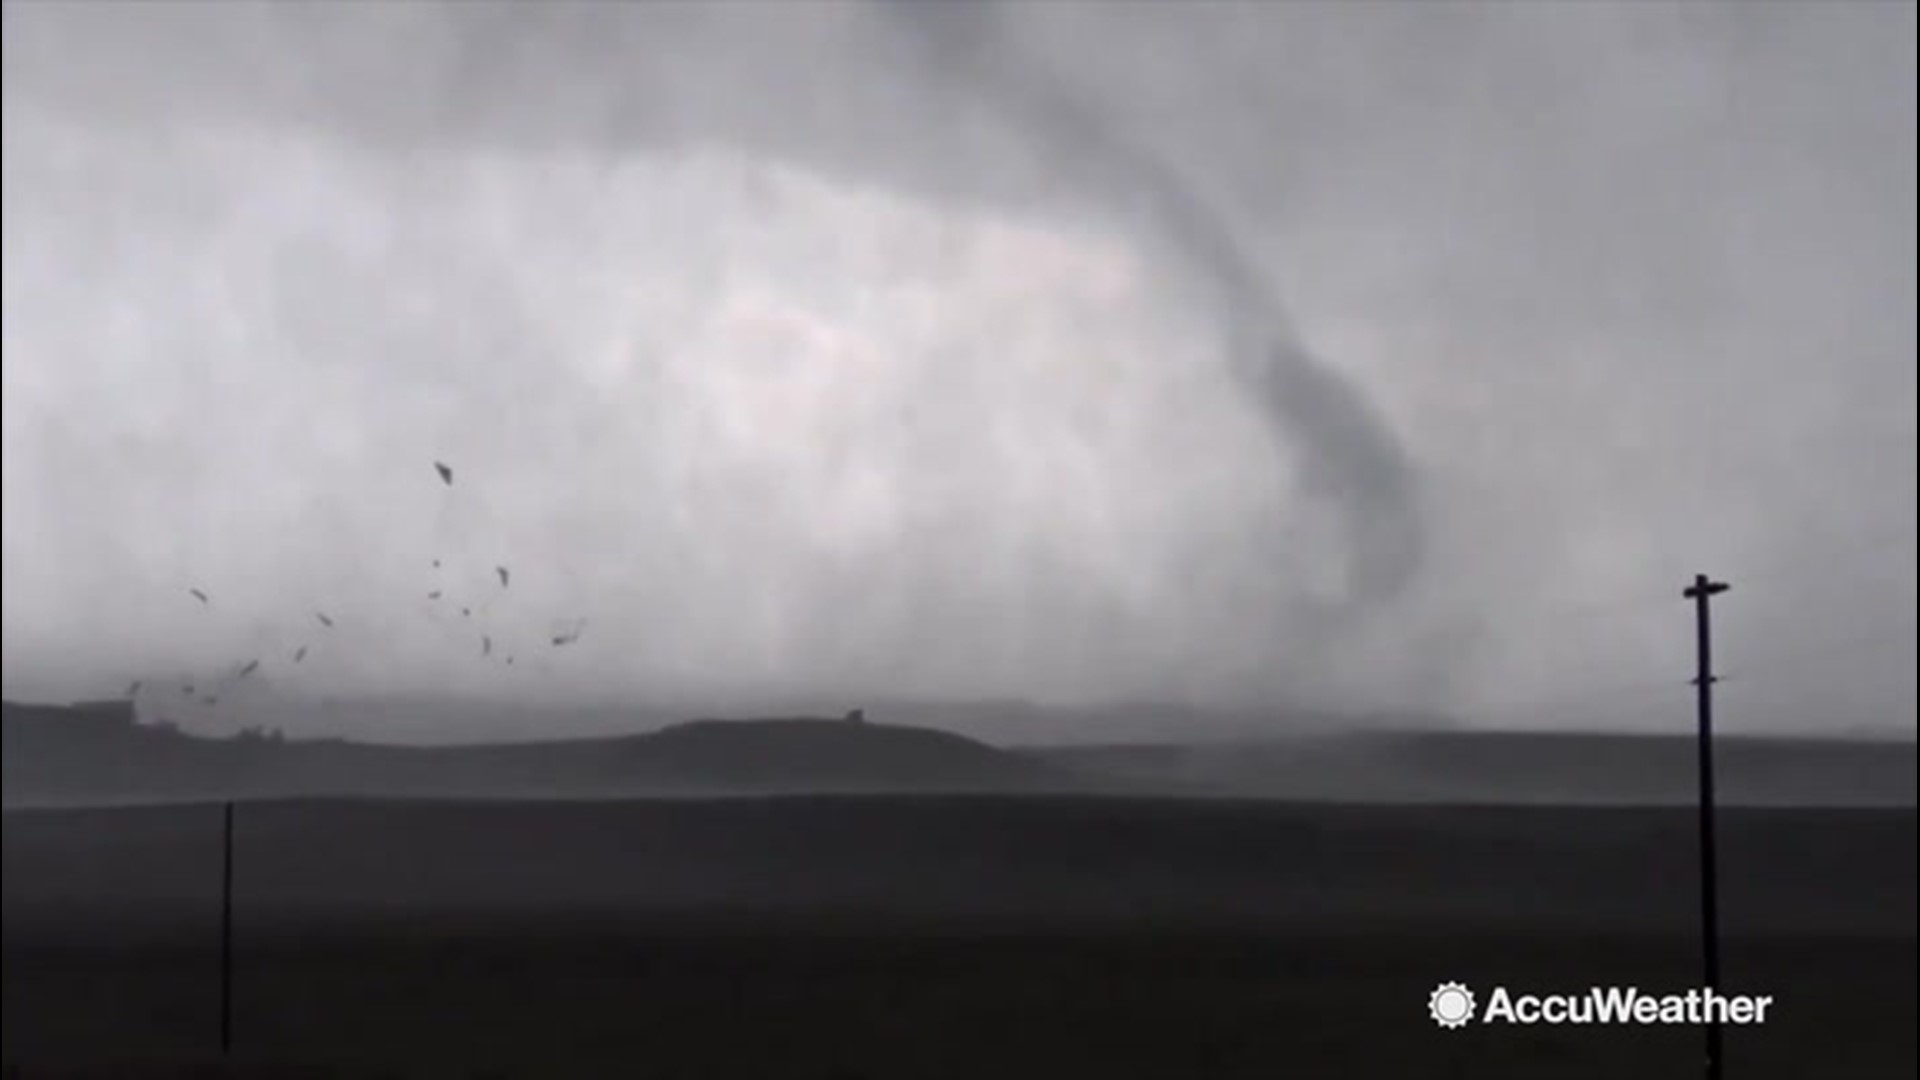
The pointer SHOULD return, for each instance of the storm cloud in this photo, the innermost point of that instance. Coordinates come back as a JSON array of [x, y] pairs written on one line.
[[1386, 357]]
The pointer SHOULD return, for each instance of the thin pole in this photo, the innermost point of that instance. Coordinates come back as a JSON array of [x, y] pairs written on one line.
[[226, 933], [1702, 590]]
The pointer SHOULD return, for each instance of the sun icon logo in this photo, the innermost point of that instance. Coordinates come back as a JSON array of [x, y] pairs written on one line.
[[1450, 1005]]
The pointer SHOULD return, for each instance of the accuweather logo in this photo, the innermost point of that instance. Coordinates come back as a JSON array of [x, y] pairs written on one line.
[[1453, 1006]]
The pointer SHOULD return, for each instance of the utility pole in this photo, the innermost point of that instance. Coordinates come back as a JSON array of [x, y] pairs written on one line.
[[1700, 592], [226, 932]]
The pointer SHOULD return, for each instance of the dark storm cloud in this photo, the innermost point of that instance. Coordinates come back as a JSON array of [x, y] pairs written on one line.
[[1017, 350]]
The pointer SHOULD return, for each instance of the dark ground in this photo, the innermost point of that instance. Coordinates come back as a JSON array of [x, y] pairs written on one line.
[[942, 937]]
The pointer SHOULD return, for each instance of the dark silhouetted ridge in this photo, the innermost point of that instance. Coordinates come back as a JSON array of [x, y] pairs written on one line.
[[97, 753], [833, 752]]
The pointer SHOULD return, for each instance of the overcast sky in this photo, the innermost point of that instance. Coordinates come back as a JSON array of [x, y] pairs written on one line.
[[1382, 356]]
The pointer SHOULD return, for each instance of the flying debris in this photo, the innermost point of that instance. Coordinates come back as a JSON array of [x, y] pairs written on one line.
[[198, 595], [569, 633], [502, 571], [446, 473], [436, 564], [509, 661], [466, 612], [248, 668], [133, 688], [186, 690], [210, 699], [324, 621], [486, 645], [434, 595], [299, 654]]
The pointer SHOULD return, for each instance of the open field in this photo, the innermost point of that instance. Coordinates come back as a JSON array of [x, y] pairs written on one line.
[[935, 937]]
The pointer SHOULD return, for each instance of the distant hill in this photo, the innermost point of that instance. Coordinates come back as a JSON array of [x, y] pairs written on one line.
[[97, 753], [762, 752]]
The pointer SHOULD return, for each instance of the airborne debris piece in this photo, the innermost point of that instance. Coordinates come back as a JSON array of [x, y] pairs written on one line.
[[446, 473], [466, 612], [434, 595], [324, 621], [299, 654], [486, 645], [198, 595], [248, 668], [436, 564], [502, 571], [186, 689], [133, 687], [210, 699], [569, 633]]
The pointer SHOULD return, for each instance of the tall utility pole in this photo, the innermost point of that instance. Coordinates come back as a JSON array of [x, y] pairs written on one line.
[[1700, 592], [226, 931]]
